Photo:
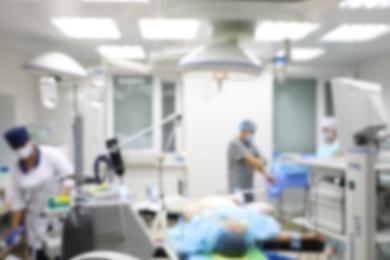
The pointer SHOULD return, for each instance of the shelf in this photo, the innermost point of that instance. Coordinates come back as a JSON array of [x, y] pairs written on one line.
[[304, 222], [382, 237]]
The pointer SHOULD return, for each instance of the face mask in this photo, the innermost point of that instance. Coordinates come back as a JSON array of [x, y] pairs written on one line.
[[25, 152], [250, 138], [328, 137]]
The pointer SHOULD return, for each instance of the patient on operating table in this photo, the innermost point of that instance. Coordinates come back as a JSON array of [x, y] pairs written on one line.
[[220, 225]]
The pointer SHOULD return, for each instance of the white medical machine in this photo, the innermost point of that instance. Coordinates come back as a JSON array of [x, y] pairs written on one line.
[[348, 199], [118, 229]]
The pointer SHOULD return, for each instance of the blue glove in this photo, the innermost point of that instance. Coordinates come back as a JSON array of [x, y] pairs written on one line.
[[14, 235]]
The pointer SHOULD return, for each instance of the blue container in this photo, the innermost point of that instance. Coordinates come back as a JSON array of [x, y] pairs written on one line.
[[287, 176], [273, 256]]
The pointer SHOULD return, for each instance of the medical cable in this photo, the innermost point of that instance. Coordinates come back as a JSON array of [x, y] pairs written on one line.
[[171, 118], [108, 174]]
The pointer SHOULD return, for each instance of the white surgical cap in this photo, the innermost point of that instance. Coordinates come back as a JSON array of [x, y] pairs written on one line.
[[329, 123]]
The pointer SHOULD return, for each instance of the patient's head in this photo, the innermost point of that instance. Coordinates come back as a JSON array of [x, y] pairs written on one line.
[[232, 243]]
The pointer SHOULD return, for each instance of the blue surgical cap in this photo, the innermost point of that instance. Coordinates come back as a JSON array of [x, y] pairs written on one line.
[[17, 137], [247, 125], [232, 244]]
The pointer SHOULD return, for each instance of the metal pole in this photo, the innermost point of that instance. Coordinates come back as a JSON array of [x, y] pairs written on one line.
[[77, 143], [146, 131]]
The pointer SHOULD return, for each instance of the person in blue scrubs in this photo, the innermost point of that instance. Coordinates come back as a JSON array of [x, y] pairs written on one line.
[[244, 159], [331, 147]]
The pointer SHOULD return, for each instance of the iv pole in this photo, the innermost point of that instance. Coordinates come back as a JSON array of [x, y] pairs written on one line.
[[162, 215]]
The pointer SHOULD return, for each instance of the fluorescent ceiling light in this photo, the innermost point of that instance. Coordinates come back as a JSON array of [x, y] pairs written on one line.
[[122, 52], [270, 31], [88, 28], [365, 4], [356, 33], [169, 29], [117, 1], [303, 54]]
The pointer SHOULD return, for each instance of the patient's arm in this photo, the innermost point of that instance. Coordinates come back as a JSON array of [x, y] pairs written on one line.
[[286, 237]]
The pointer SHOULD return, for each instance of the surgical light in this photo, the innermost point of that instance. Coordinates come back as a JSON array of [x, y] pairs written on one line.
[[303, 54], [221, 61], [270, 31], [56, 63], [169, 29], [356, 33], [87, 28], [122, 52], [365, 4]]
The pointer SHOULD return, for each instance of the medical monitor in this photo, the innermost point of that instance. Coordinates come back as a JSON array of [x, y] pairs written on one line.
[[359, 106]]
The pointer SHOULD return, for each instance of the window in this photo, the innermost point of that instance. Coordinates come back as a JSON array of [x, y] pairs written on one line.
[[133, 109], [168, 108], [329, 106], [295, 110], [141, 102]]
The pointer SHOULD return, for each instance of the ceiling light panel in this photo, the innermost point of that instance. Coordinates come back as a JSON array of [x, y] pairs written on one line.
[[356, 33], [303, 54], [365, 4], [169, 29], [270, 31], [117, 1], [88, 28], [122, 52]]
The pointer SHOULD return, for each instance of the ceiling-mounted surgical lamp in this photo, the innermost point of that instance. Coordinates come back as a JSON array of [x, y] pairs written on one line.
[[54, 66], [57, 64], [223, 59]]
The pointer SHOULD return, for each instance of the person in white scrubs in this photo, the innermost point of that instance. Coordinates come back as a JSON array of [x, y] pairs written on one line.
[[39, 173], [331, 147]]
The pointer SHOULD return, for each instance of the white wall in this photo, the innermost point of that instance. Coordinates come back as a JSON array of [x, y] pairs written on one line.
[[211, 121], [20, 88], [17, 82], [377, 70]]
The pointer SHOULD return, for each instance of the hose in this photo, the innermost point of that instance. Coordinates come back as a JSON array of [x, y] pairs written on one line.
[[99, 178]]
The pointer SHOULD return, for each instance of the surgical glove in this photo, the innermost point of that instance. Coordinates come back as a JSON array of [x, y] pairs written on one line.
[[14, 236]]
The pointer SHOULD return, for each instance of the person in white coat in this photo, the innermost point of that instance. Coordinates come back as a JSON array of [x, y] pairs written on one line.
[[39, 173]]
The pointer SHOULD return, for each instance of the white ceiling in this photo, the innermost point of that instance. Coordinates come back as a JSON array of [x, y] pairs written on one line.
[[25, 27]]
